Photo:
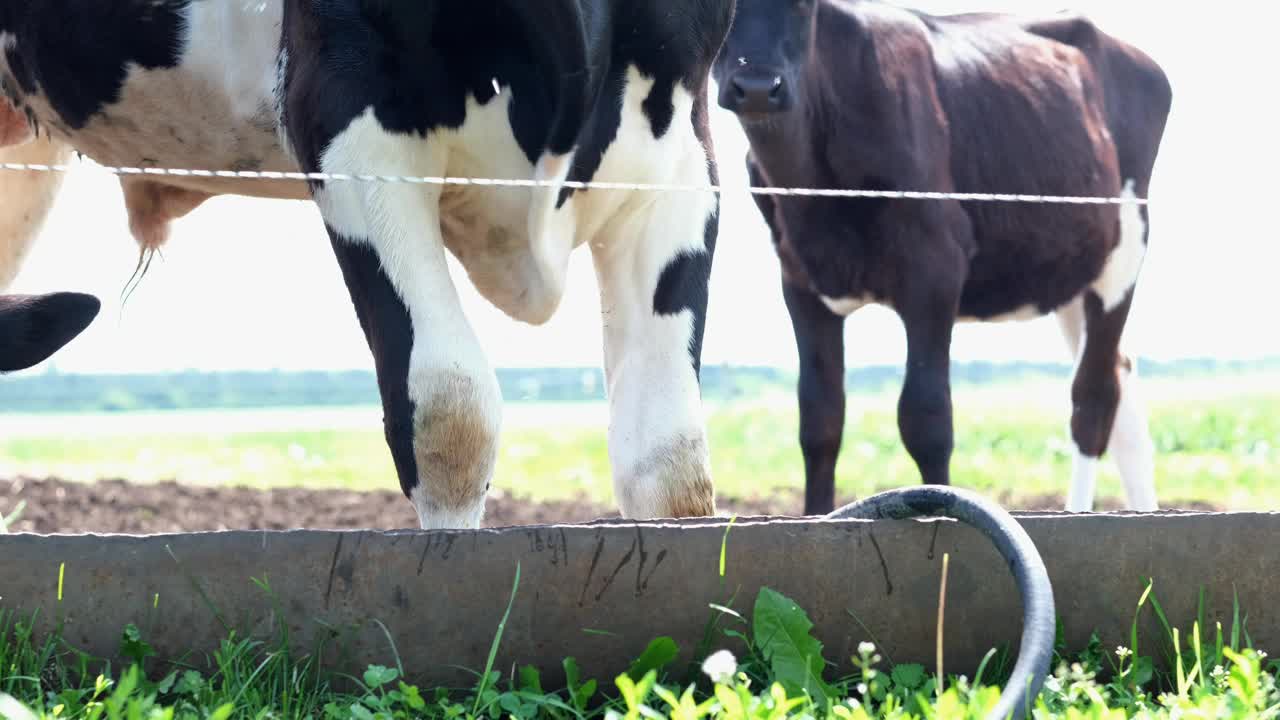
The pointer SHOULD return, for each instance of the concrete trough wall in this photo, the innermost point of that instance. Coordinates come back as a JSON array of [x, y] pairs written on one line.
[[601, 592]]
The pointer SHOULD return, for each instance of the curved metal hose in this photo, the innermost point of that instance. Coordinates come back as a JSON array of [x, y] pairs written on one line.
[[1038, 619]]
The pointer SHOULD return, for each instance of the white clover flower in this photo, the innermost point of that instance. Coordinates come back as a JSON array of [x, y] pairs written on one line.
[[720, 666]]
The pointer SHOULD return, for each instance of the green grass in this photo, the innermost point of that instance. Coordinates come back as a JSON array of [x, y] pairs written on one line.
[[1218, 441], [759, 664]]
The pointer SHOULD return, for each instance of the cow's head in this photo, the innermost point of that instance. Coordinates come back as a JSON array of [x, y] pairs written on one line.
[[34, 327], [758, 68]]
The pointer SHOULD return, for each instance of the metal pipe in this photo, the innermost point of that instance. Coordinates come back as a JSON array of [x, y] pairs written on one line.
[[1013, 543]]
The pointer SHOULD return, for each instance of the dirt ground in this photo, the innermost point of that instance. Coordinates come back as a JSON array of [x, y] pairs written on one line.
[[117, 506]]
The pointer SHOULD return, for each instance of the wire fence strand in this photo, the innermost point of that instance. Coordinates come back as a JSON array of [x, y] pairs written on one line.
[[268, 175]]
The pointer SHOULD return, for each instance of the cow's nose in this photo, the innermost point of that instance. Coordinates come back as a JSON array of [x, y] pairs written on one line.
[[754, 92]]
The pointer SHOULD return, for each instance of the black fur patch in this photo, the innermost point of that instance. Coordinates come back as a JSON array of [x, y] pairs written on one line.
[[78, 53]]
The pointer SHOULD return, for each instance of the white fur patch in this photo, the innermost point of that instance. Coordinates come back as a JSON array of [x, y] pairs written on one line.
[[1022, 314], [1125, 262], [847, 306], [431, 518], [1071, 321], [1084, 481]]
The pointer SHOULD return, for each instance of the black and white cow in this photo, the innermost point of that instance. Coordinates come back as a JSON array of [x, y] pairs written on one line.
[[862, 94], [607, 90], [34, 327]]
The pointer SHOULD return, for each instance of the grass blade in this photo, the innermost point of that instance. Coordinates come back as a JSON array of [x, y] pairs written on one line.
[[1235, 619], [497, 640], [724, 543]]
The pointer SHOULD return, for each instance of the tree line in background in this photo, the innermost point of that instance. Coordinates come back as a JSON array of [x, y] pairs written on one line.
[[60, 392]]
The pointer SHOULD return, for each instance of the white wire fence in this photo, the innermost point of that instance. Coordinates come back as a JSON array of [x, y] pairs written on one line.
[[271, 176]]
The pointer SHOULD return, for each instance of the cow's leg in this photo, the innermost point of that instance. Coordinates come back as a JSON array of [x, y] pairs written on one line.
[[1084, 469], [928, 310], [441, 402], [26, 198], [820, 346], [1107, 410], [653, 270], [1131, 442]]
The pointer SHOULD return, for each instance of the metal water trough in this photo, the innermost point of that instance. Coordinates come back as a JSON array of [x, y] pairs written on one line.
[[600, 592]]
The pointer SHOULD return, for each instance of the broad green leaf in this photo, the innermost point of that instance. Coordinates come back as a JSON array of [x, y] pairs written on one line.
[[781, 635], [908, 676], [133, 646], [377, 676], [531, 679], [659, 654]]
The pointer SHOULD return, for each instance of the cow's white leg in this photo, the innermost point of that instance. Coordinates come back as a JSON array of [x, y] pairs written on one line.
[[1131, 443], [440, 396], [1084, 469], [26, 198], [653, 270]]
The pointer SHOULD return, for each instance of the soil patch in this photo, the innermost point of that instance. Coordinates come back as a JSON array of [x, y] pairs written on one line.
[[119, 506]]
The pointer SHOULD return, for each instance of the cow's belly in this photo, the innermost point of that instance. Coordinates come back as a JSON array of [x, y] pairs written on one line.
[[153, 127], [214, 110]]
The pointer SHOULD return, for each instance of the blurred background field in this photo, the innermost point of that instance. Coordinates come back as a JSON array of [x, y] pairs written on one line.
[[1217, 434]]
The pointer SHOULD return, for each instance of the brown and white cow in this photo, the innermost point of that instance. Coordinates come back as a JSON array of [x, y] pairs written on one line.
[[863, 94], [555, 90]]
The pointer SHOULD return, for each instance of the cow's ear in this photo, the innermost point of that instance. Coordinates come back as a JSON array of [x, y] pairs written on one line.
[[34, 327]]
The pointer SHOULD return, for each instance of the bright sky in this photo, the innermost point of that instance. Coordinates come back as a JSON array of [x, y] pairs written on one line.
[[252, 284]]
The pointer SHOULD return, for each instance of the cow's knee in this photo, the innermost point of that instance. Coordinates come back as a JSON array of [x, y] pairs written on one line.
[[821, 432], [456, 425]]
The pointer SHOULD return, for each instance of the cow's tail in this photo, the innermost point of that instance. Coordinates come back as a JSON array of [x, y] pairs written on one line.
[[1038, 620], [557, 31], [26, 197]]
